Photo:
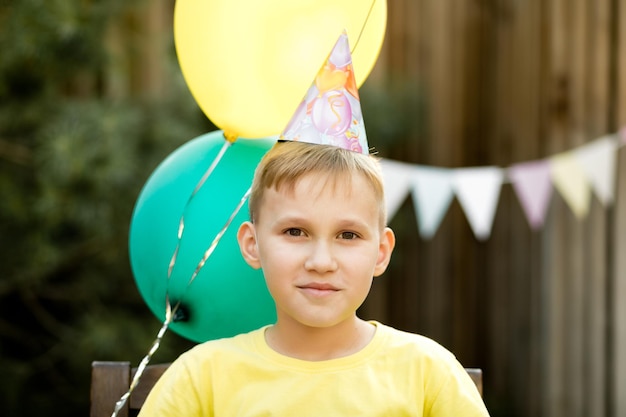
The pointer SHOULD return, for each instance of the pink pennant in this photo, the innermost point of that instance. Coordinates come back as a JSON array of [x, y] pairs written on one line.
[[531, 182]]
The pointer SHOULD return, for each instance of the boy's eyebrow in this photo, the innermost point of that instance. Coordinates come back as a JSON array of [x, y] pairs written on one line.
[[289, 219], [301, 220], [348, 222]]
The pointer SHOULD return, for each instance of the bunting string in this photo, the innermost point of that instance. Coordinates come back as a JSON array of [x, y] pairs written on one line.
[[577, 175]]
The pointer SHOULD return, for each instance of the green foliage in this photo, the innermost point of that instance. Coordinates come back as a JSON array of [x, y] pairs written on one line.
[[71, 168]]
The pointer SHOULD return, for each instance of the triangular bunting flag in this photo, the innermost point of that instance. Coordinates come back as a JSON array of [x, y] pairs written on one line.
[[531, 182], [478, 191], [396, 177], [598, 160], [432, 194], [575, 174], [569, 179]]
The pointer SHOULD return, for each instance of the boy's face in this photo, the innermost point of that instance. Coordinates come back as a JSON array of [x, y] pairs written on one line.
[[319, 246]]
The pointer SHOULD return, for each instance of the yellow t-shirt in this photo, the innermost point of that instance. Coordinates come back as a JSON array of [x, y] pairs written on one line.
[[396, 374]]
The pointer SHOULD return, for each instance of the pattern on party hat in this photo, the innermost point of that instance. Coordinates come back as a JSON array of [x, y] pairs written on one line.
[[330, 112]]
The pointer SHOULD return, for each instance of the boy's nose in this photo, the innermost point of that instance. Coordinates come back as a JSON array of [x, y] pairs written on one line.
[[320, 258]]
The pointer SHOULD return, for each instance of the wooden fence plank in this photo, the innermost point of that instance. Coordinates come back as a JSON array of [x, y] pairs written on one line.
[[517, 123], [574, 238], [557, 70], [526, 251], [502, 54], [597, 124], [620, 61], [618, 347], [618, 295]]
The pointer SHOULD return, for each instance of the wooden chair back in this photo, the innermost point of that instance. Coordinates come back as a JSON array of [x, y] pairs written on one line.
[[477, 376], [111, 380]]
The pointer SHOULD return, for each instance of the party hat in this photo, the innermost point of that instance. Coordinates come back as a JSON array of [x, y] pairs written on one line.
[[330, 112]]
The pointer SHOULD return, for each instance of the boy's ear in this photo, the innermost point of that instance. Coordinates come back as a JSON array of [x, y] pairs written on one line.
[[246, 237], [385, 248]]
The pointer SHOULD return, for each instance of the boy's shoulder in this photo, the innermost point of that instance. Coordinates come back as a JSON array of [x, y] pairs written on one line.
[[404, 335], [408, 342]]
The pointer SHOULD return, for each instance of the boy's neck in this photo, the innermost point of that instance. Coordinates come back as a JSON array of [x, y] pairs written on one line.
[[317, 344]]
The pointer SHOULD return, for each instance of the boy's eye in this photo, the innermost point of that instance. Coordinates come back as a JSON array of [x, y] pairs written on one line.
[[348, 235], [294, 232]]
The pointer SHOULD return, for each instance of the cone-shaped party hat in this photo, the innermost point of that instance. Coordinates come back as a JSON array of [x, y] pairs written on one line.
[[330, 112]]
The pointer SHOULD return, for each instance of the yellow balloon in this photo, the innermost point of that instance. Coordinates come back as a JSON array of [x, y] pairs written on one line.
[[248, 63]]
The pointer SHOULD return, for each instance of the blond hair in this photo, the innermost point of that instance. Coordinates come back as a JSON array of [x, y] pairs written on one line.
[[287, 162]]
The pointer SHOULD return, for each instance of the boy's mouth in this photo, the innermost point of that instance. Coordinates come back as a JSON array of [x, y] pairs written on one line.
[[316, 288]]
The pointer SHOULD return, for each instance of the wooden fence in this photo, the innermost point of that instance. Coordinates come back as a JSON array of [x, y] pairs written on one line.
[[493, 82], [543, 312]]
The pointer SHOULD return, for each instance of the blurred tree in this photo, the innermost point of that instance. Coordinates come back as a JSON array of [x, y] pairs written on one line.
[[73, 158]]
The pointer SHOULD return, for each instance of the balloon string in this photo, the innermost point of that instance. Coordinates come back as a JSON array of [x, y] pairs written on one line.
[[144, 362], [369, 14], [181, 223], [218, 237], [170, 312], [211, 168]]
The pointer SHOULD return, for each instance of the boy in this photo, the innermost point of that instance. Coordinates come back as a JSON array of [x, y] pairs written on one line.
[[318, 230]]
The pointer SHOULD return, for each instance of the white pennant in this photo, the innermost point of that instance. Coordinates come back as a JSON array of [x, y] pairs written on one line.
[[598, 160], [478, 191], [396, 177], [432, 194]]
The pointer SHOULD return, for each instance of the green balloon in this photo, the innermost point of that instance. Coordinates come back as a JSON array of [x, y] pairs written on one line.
[[227, 297]]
